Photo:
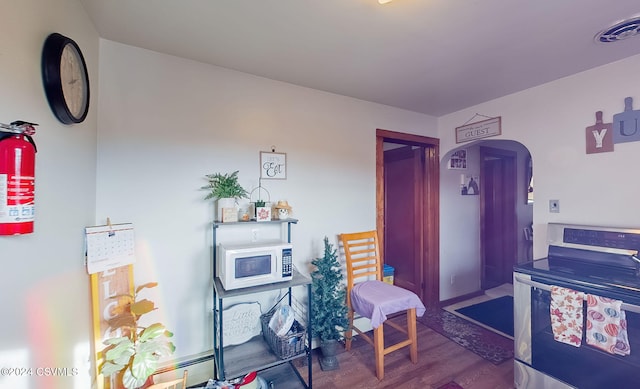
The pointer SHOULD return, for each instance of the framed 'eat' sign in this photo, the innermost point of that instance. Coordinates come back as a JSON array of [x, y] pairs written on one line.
[[273, 165]]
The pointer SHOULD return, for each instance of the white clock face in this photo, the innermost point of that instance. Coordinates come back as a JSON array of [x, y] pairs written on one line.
[[74, 81]]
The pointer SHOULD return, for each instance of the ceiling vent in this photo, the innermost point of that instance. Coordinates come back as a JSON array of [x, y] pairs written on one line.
[[620, 31]]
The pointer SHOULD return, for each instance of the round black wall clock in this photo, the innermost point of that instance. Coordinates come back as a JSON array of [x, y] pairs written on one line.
[[65, 78]]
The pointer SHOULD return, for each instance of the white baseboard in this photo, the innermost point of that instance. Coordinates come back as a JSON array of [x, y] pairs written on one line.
[[200, 367]]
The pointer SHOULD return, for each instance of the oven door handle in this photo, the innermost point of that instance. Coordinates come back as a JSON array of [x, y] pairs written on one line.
[[539, 285]]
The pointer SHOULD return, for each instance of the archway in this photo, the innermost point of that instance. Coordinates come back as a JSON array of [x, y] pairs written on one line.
[[461, 240]]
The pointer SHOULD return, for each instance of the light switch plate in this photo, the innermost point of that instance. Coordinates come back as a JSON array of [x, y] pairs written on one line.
[[554, 206]]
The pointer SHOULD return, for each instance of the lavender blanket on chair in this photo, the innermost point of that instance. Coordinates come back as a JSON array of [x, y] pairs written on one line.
[[377, 299]]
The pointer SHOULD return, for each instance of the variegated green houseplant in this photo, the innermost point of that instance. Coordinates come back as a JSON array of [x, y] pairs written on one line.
[[133, 357]]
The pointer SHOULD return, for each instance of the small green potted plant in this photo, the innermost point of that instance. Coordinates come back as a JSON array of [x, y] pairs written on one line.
[[133, 357], [226, 189], [328, 305]]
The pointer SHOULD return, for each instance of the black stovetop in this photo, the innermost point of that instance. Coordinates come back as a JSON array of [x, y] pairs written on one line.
[[594, 272]]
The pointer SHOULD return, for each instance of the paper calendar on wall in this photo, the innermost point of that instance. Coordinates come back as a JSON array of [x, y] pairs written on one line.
[[109, 246]]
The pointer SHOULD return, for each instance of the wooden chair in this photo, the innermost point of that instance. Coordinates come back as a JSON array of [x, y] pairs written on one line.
[[369, 297], [180, 383]]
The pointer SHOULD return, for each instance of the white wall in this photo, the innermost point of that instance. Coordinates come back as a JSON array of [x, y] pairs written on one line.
[[45, 289], [550, 120], [165, 122]]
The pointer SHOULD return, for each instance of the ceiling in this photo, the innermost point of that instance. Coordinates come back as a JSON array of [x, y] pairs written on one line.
[[429, 56]]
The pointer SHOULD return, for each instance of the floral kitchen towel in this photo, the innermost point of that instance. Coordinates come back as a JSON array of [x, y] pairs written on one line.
[[566, 315], [607, 325]]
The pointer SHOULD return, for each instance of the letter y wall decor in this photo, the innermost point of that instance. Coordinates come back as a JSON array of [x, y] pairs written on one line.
[[601, 137]]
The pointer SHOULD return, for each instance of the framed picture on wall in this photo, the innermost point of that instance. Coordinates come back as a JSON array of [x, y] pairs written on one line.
[[458, 160], [529, 180], [273, 165], [469, 185]]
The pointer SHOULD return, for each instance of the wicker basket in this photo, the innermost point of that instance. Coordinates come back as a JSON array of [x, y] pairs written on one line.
[[290, 345]]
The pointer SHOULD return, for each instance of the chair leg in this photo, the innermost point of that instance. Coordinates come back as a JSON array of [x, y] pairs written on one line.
[[348, 334], [378, 345], [411, 330]]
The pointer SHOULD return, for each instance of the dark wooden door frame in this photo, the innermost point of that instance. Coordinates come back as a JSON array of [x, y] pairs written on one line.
[[431, 206], [510, 241]]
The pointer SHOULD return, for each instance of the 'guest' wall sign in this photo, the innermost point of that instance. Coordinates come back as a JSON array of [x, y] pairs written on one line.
[[479, 130]]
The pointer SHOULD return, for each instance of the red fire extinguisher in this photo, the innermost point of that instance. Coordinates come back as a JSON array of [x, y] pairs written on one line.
[[17, 178]]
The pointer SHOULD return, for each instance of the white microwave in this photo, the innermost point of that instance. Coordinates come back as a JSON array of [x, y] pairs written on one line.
[[252, 264]]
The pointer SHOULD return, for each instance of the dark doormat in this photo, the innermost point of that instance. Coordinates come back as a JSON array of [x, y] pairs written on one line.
[[450, 385], [496, 313], [487, 344]]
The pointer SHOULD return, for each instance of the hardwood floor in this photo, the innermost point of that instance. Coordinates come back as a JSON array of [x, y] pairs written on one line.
[[439, 361]]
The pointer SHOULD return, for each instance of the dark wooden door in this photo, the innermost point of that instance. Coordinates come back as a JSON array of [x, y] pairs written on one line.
[[426, 218], [498, 214], [404, 171]]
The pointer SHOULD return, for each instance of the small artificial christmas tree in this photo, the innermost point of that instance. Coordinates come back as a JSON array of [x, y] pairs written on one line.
[[328, 303]]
